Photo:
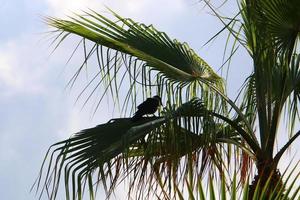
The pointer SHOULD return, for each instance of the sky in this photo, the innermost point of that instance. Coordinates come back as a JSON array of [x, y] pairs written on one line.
[[35, 108]]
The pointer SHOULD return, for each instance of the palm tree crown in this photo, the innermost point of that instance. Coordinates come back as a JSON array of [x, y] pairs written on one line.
[[200, 127]]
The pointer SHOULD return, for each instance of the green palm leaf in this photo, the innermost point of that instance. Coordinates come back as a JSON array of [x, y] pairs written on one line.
[[88, 150], [123, 144], [176, 60], [141, 49], [282, 20]]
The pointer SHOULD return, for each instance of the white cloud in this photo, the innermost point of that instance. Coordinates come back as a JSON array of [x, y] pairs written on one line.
[[150, 11], [74, 123], [58, 7], [6, 152], [6, 68], [20, 67], [130, 6]]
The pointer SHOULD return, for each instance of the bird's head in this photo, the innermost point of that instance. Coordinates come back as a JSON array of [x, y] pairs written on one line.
[[158, 98]]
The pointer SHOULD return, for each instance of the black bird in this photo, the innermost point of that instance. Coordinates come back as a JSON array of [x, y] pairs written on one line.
[[147, 107]]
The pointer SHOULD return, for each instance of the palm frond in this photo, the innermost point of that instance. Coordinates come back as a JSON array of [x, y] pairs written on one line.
[[282, 21], [85, 153], [293, 92], [218, 189], [141, 49], [115, 149], [271, 36]]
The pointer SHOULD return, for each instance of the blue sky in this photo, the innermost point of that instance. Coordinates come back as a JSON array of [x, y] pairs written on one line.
[[36, 111]]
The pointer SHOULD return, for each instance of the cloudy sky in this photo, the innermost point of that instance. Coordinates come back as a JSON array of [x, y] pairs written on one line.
[[36, 110]]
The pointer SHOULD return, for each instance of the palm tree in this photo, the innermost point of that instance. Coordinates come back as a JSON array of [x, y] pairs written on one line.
[[201, 127]]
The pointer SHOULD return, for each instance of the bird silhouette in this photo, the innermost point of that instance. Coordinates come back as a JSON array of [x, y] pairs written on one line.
[[147, 107]]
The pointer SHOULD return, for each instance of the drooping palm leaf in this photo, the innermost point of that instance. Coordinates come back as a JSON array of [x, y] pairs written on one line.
[[119, 146], [141, 49], [89, 150], [176, 60]]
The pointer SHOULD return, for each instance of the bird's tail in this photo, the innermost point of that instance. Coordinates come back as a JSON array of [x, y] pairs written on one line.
[[137, 116]]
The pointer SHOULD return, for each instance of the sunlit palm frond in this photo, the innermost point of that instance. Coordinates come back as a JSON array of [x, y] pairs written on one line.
[[177, 60], [141, 49]]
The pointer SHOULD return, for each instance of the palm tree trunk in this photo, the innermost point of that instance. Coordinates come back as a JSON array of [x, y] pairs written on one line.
[[267, 173]]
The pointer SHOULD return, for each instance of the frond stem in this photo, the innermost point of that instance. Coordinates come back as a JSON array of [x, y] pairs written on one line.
[[285, 147], [237, 110], [240, 130]]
